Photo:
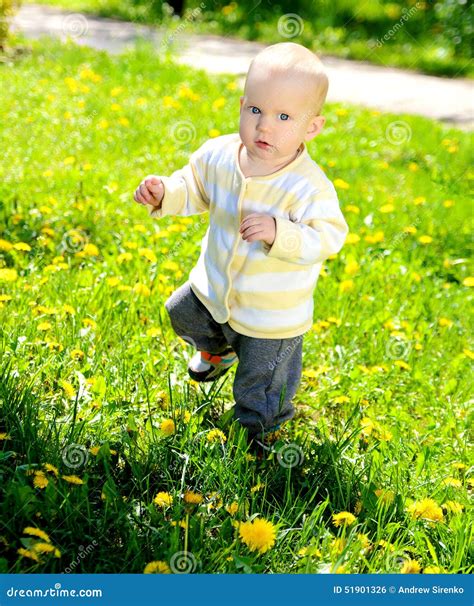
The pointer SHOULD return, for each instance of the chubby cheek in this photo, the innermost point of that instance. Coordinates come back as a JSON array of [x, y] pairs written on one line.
[[245, 128]]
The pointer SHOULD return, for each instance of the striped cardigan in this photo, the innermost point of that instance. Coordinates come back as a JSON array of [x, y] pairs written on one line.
[[262, 291]]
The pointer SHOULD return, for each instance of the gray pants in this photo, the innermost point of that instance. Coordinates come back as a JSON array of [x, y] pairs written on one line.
[[269, 370]]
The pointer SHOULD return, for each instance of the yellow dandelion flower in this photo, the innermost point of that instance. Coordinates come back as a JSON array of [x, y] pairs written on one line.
[[259, 535], [36, 532], [22, 246], [340, 184], [375, 238], [419, 201], [27, 553], [68, 389], [338, 544], [163, 499], [364, 540], [89, 250], [5, 245], [387, 208], [8, 275], [454, 482], [385, 496], [445, 322], [469, 281], [453, 507], [44, 547], [448, 203], [257, 487], [232, 508], [386, 545], [77, 354], [352, 238], [346, 285], [432, 570], [157, 567], [214, 133], [425, 239], [402, 364], [181, 524], [69, 160], [40, 480], [193, 497], [69, 309], [216, 435], [410, 567], [148, 254], [344, 518], [4, 436], [141, 289], [73, 479], [426, 509], [341, 399], [51, 468], [219, 103], [167, 426], [460, 466]]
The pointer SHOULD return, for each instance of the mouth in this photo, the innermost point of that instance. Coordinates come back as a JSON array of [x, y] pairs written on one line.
[[262, 144]]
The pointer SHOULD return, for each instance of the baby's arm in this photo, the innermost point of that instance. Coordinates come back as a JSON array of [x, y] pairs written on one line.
[[317, 231], [182, 193]]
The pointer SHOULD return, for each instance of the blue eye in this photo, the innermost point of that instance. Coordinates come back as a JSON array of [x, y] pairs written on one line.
[[257, 111], [284, 116]]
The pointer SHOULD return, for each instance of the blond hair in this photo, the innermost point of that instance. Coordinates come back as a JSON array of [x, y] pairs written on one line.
[[290, 57]]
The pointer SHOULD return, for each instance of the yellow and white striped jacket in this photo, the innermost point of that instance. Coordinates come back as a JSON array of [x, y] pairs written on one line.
[[262, 291]]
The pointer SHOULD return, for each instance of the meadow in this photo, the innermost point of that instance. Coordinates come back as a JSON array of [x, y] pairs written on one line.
[[112, 460], [432, 36]]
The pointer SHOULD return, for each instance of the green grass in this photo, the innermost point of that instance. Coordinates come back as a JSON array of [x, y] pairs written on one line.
[[431, 41], [90, 361]]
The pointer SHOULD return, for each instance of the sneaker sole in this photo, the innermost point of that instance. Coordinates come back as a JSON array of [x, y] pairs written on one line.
[[201, 377]]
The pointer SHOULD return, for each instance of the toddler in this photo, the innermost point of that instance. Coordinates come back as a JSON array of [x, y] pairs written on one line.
[[274, 218]]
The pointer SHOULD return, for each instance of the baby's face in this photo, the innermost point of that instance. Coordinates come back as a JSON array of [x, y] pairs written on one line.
[[275, 116]]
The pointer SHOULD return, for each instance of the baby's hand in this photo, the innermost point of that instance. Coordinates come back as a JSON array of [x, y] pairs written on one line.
[[150, 191], [258, 226]]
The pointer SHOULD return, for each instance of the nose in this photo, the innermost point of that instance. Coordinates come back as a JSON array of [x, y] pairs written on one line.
[[263, 124]]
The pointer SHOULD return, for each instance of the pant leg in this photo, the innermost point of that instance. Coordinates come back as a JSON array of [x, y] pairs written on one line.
[[192, 321], [266, 379]]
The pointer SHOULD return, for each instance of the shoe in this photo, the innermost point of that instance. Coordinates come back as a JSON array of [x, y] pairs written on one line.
[[205, 366]]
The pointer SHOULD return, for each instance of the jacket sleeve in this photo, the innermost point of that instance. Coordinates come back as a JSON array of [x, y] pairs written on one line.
[[316, 231], [185, 193]]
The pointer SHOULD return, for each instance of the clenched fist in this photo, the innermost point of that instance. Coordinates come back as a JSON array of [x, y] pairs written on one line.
[[258, 226], [150, 191]]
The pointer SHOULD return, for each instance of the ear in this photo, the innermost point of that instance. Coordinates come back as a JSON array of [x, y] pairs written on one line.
[[315, 127]]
